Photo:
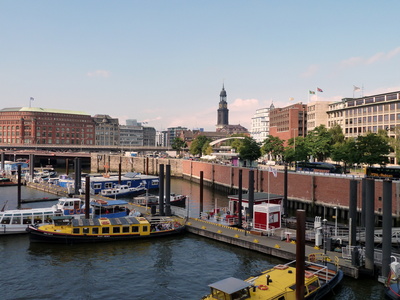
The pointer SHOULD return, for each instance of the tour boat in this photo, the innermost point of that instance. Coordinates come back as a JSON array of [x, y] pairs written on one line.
[[175, 199], [16, 220], [280, 283], [122, 190], [70, 231]]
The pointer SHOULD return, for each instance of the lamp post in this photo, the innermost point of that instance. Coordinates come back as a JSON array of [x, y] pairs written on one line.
[[336, 212], [324, 221]]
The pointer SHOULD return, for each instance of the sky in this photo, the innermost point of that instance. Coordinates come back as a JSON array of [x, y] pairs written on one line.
[[164, 62]]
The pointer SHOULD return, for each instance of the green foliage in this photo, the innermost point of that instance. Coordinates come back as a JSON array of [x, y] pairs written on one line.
[[249, 149], [296, 150], [272, 145], [373, 149], [199, 145], [319, 142], [178, 144]]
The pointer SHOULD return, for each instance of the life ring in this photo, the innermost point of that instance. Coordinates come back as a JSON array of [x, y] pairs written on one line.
[[82, 210], [280, 267], [78, 211], [263, 287], [71, 211], [176, 224], [312, 258], [308, 274]]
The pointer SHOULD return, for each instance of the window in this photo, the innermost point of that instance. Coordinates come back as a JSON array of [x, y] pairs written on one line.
[[76, 231], [125, 229], [145, 228], [85, 230], [95, 230], [116, 229], [135, 228], [105, 230]]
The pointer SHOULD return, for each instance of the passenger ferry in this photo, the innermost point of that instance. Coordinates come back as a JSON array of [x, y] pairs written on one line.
[[280, 283], [70, 231], [131, 180], [16, 220]]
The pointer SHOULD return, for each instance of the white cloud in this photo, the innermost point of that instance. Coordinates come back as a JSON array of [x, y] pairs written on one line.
[[244, 104], [98, 73], [375, 58]]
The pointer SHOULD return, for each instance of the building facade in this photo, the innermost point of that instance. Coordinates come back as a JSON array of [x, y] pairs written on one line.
[[317, 114], [260, 124], [107, 130], [34, 125], [358, 116], [288, 122]]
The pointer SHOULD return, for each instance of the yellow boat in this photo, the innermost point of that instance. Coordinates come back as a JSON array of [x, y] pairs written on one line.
[[279, 283], [70, 231]]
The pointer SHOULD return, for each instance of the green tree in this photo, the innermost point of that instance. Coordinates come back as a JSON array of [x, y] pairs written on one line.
[[373, 149], [296, 150], [273, 146], [249, 150], [178, 144], [345, 152], [319, 143], [198, 144]]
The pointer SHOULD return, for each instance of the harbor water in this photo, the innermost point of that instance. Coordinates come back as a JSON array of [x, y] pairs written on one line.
[[167, 268]]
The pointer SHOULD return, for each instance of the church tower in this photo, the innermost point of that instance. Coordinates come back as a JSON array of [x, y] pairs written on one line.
[[223, 111]]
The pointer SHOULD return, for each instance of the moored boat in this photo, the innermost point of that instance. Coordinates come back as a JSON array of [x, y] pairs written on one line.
[[15, 221], [70, 231], [175, 199], [280, 283], [123, 190]]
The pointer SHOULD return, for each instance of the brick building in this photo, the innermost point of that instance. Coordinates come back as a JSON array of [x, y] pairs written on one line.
[[34, 125], [288, 122]]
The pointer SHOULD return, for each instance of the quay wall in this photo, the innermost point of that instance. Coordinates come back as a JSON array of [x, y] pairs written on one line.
[[319, 193]]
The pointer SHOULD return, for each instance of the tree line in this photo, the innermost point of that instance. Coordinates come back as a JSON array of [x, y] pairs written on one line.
[[320, 144]]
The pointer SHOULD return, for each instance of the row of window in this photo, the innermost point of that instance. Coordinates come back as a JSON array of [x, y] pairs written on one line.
[[106, 230], [369, 119]]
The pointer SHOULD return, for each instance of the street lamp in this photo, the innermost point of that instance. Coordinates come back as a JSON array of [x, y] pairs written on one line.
[[336, 211], [324, 221]]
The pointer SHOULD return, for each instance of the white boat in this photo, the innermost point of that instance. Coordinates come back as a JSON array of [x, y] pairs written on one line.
[[123, 190], [175, 199], [17, 220]]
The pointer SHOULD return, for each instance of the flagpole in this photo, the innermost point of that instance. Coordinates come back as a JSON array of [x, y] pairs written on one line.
[[316, 93]]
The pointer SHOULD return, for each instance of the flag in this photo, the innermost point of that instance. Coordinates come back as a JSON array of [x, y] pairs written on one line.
[[356, 88], [312, 93], [31, 99], [291, 99], [319, 90], [274, 171]]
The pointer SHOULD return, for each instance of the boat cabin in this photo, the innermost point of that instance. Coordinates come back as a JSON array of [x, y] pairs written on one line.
[[259, 198], [230, 289], [267, 216]]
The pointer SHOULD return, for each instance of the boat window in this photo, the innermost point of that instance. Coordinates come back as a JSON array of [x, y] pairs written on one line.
[[135, 229], [239, 295], [105, 230], [145, 228], [97, 186], [27, 219], [217, 294], [38, 219], [48, 218], [125, 229], [16, 220], [154, 182], [128, 183], [95, 230], [85, 230], [6, 220], [76, 231], [116, 229], [108, 185]]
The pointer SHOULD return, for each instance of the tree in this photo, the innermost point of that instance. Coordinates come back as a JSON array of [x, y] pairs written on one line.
[[249, 150], [373, 149], [319, 143], [273, 146], [178, 144], [345, 152], [296, 150], [197, 146]]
